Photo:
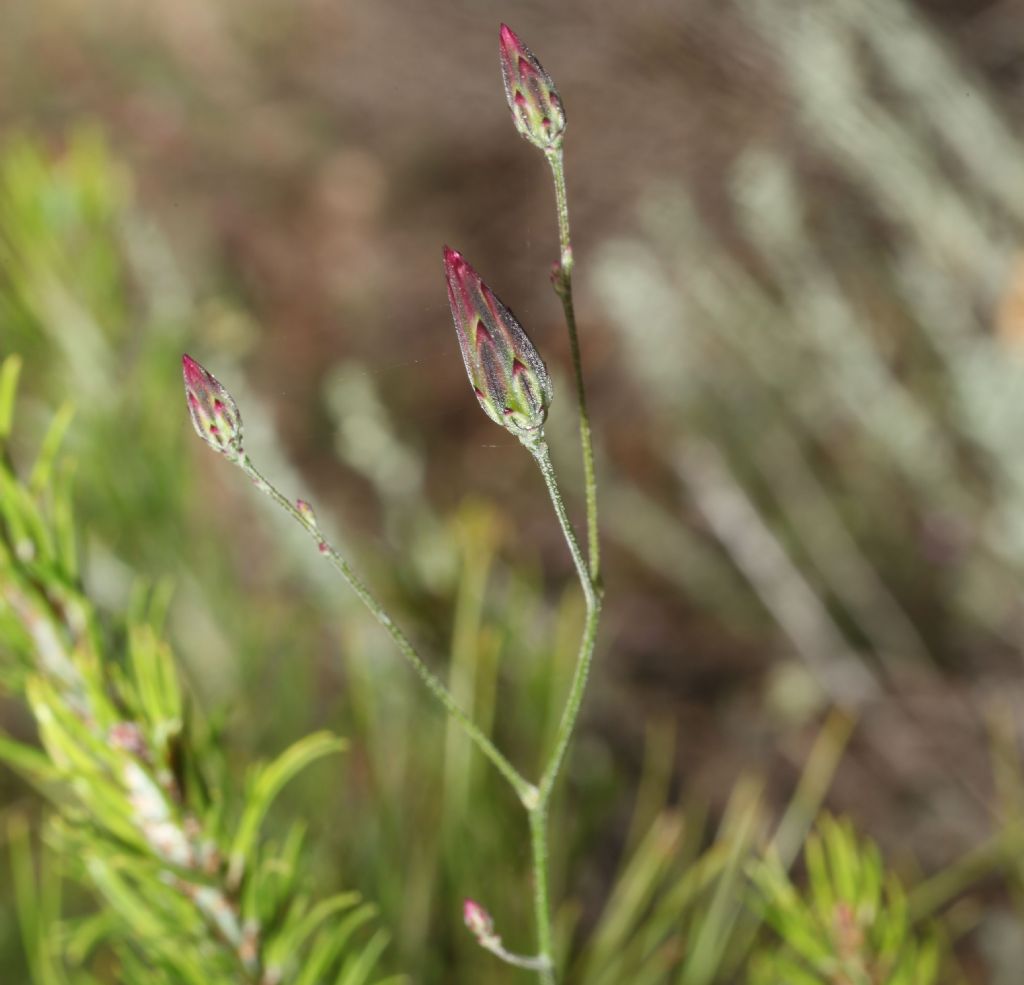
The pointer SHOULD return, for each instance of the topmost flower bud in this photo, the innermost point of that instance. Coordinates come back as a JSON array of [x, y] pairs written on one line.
[[507, 373], [213, 410], [536, 106]]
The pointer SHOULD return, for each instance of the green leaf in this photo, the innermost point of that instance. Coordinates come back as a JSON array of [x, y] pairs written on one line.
[[358, 967], [32, 763], [328, 946], [156, 682], [10, 370], [267, 785], [293, 939], [42, 471], [34, 902]]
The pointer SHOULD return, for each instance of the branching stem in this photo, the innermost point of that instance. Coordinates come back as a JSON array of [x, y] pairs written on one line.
[[570, 714], [534, 798], [526, 790]]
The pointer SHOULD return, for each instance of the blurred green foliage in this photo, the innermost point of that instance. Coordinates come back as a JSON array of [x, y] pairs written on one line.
[[143, 816], [851, 928]]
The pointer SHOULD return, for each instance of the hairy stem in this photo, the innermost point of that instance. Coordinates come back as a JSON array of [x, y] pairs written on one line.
[[541, 902], [525, 790], [538, 963], [570, 714], [592, 597], [563, 287]]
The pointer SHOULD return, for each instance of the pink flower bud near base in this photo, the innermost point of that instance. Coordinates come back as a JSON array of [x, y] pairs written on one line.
[[478, 920], [505, 370], [536, 106], [214, 413]]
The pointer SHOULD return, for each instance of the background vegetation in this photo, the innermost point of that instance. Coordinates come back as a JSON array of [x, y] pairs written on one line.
[[801, 302]]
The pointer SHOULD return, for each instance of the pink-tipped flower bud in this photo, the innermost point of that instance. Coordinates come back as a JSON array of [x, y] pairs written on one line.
[[536, 106], [213, 410], [478, 920], [507, 374]]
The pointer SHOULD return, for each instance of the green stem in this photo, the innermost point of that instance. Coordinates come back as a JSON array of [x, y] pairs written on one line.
[[592, 597], [563, 287], [570, 714], [530, 962], [526, 791], [541, 904]]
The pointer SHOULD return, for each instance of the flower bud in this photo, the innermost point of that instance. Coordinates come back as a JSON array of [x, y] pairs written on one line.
[[507, 374], [536, 106], [214, 413], [478, 920]]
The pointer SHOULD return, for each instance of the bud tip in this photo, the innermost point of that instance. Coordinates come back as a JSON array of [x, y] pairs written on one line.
[[191, 369]]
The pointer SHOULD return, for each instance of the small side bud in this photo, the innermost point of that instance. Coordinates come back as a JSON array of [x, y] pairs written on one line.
[[307, 514], [505, 370], [478, 920], [536, 106], [213, 411]]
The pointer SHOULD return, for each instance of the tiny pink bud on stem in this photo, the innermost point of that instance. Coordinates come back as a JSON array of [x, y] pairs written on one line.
[[505, 370], [478, 920], [213, 411], [306, 512], [532, 97]]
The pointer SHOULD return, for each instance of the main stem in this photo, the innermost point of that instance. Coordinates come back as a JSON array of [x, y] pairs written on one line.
[[538, 813], [563, 287], [534, 798], [541, 902], [526, 790], [589, 575]]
